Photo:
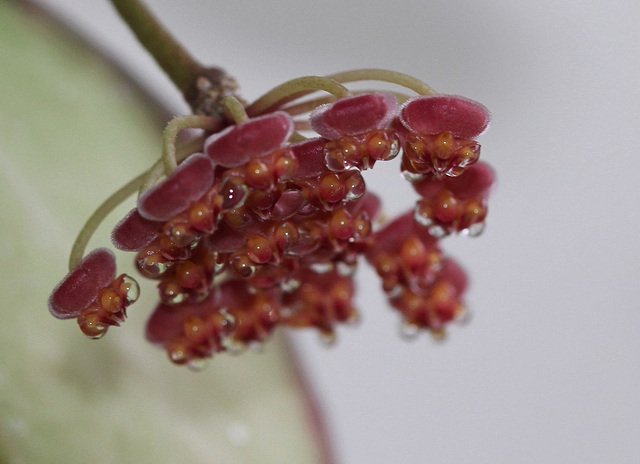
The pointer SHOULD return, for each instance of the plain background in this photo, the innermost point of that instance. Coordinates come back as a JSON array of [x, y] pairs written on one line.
[[548, 370]]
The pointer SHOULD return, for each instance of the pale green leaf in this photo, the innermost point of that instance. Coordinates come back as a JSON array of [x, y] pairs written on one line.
[[71, 132]]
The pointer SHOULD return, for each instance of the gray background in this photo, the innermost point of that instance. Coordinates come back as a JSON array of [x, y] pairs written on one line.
[[548, 370]]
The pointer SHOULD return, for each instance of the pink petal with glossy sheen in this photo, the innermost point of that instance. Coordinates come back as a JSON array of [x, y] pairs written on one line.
[[432, 114], [227, 239], [475, 180], [310, 157], [134, 232], [166, 322], [391, 236], [288, 204], [81, 285], [253, 138], [354, 115], [191, 179]]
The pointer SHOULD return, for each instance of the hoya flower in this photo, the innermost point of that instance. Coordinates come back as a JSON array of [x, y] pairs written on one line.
[[357, 129], [438, 134], [420, 282], [92, 294], [455, 204]]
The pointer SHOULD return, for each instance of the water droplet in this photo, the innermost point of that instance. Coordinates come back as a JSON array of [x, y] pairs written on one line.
[[463, 315], [153, 265], [132, 289], [290, 285], [409, 331], [354, 319], [475, 230], [328, 338], [422, 217], [233, 193], [355, 185], [395, 291], [243, 266], [439, 335], [177, 353], [437, 231], [412, 176], [256, 346], [198, 364], [346, 269], [393, 151], [233, 346], [322, 268]]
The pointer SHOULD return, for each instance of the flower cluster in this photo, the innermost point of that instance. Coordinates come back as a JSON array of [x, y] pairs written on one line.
[[260, 227]]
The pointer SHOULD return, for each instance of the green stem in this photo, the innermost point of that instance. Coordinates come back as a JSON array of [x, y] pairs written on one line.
[[235, 109], [294, 88], [77, 251], [171, 132], [384, 75], [179, 65]]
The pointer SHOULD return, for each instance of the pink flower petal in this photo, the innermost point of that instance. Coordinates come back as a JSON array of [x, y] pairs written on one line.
[[393, 234], [167, 321], [81, 285], [253, 138], [354, 115], [433, 114], [227, 239], [192, 178], [288, 204], [310, 158], [475, 180], [134, 232]]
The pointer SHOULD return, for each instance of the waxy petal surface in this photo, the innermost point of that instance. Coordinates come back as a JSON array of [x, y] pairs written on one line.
[[191, 179], [253, 138], [354, 115], [433, 114], [310, 156], [134, 232], [81, 285], [476, 180]]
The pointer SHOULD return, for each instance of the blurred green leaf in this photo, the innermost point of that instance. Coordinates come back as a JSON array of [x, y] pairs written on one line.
[[72, 130]]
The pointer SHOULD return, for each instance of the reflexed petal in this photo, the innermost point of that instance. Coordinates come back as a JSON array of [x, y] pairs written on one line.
[[81, 285], [253, 138], [166, 321], [391, 236], [310, 156], [434, 114], [288, 204], [134, 232], [354, 115], [476, 180], [191, 179]]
